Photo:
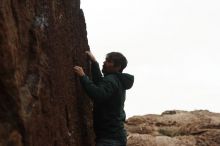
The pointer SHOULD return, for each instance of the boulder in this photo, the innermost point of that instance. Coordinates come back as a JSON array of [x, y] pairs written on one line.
[[174, 128], [41, 101]]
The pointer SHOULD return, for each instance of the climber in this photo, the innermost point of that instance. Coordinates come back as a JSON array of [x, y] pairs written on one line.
[[108, 95]]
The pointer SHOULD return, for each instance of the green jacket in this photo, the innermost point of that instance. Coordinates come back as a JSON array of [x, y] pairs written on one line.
[[108, 94]]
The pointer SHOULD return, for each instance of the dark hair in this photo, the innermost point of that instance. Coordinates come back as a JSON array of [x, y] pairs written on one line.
[[118, 59]]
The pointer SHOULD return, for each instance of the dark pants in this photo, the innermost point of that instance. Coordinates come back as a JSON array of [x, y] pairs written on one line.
[[109, 142]]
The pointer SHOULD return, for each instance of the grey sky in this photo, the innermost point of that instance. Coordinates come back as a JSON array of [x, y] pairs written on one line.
[[172, 46]]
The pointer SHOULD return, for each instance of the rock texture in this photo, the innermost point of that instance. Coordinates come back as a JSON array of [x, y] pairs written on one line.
[[175, 128], [41, 101]]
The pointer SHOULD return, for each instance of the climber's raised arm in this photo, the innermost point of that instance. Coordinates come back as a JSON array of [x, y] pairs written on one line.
[[96, 72], [100, 92]]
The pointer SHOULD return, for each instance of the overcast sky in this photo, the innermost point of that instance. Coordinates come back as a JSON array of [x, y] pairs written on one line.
[[172, 47]]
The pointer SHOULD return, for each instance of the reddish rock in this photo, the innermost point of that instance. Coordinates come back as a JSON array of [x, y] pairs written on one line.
[[175, 128], [41, 101]]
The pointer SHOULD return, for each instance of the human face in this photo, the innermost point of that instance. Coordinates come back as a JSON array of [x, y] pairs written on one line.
[[108, 66]]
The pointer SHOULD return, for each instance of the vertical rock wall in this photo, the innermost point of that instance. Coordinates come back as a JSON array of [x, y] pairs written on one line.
[[41, 101]]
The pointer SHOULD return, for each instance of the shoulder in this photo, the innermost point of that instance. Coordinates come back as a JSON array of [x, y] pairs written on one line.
[[111, 78]]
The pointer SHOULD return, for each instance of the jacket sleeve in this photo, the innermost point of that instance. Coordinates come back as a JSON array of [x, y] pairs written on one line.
[[100, 92], [96, 72]]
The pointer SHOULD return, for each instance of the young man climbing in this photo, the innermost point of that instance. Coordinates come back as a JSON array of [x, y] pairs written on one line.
[[108, 94]]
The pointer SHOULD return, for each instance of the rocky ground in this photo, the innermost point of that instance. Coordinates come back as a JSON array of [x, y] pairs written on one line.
[[175, 128]]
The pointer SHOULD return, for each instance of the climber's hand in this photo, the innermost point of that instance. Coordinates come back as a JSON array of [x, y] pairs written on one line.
[[91, 56], [79, 71]]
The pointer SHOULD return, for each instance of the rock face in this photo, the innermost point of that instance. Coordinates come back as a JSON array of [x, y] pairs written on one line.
[[175, 128], [41, 101]]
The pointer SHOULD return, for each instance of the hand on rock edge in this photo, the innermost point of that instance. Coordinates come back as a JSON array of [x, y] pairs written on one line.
[[91, 56], [79, 71]]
